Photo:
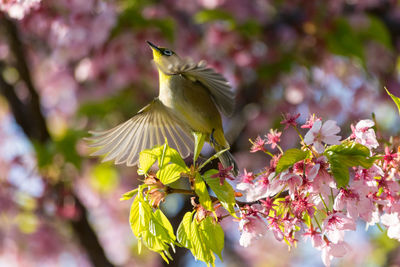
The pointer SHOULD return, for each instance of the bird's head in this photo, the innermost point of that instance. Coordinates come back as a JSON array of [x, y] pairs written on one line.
[[163, 57]]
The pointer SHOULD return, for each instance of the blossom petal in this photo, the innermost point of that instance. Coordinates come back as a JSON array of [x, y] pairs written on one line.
[[332, 139], [330, 128], [364, 124], [319, 147]]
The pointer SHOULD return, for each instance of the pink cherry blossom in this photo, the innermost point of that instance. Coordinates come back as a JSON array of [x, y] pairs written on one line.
[[290, 120], [316, 238], [274, 225], [322, 133], [247, 180], [331, 250], [310, 122], [223, 173], [251, 228], [268, 204], [18, 9], [335, 225], [302, 204], [364, 134], [291, 180], [392, 222], [389, 158], [273, 138], [258, 145], [261, 187]]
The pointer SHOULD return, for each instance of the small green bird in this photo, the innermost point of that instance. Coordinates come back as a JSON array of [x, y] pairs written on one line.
[[187, 106]]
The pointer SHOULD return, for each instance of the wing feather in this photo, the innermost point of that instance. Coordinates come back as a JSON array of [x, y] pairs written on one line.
[[220, 90], [145, 130]]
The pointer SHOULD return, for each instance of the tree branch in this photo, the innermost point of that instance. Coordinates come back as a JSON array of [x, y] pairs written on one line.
[[29, 116], [39, 131]]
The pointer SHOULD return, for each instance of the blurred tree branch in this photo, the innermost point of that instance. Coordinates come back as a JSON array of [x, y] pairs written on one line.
[[29, 116], [36, 124]]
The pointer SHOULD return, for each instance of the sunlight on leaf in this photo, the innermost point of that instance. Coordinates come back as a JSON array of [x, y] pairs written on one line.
[[290, 157], [342, 157], [224, 192], [396, 99]]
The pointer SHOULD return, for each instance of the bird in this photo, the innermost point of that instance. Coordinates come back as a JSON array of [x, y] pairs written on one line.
[[191, 97]]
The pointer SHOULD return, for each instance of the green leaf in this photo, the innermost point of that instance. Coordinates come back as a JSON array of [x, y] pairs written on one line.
[[199, 139], [170, 163], [131, 18], [147, 158], [163, 220], [201, 190], [129, 195], [290, 157], [66, 146], [170, 173], [199, 246], [396, 99], [377, 31], [343, 40], [214, 235], [172, 156], [209, 15], [153, 229], [345, 155], [183, 233], [134, 217], [224, 193], [44, 153]]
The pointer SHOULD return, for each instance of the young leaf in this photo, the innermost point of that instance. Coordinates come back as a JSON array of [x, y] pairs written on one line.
[[151, 228], [129, 195], [170, 173], [163, 154], [224, 192], [183, 233], [290, 157], [163, 220], [199, 246], [147, 158], [134, 217], [395, 99], [171, 156], [199, 139], [214, 235], [201, 190], [345, 155]]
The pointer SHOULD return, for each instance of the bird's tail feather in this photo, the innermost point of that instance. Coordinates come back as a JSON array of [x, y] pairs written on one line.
[[227, 160]]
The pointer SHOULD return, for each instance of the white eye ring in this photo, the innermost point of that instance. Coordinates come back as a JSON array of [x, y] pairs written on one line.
[[167, 52]]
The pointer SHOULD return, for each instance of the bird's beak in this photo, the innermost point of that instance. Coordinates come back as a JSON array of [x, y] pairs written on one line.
[[153, 46]]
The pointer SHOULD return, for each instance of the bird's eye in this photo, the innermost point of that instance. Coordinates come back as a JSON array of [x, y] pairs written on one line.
[[167, 52]]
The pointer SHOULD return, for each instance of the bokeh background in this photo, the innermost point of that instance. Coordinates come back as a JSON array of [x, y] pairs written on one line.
[[67, 66]]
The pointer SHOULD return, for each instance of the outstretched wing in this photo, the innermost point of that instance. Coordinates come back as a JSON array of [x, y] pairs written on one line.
[[145, 130], [218, 86]]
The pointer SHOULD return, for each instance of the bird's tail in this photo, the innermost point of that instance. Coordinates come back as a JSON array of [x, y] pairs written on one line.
[[218, 141], [227, 160]]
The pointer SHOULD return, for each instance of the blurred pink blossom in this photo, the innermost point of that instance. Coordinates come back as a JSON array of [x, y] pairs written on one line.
[[18, 9]]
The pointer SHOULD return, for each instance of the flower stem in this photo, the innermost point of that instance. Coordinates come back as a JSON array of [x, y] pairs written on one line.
[[280, 149], [380, 227], [323, 201], [268, 153], [298, 132], [319, 226]]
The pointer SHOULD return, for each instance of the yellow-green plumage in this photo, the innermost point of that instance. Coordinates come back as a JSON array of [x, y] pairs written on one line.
[[191, 103], [190, 98]]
